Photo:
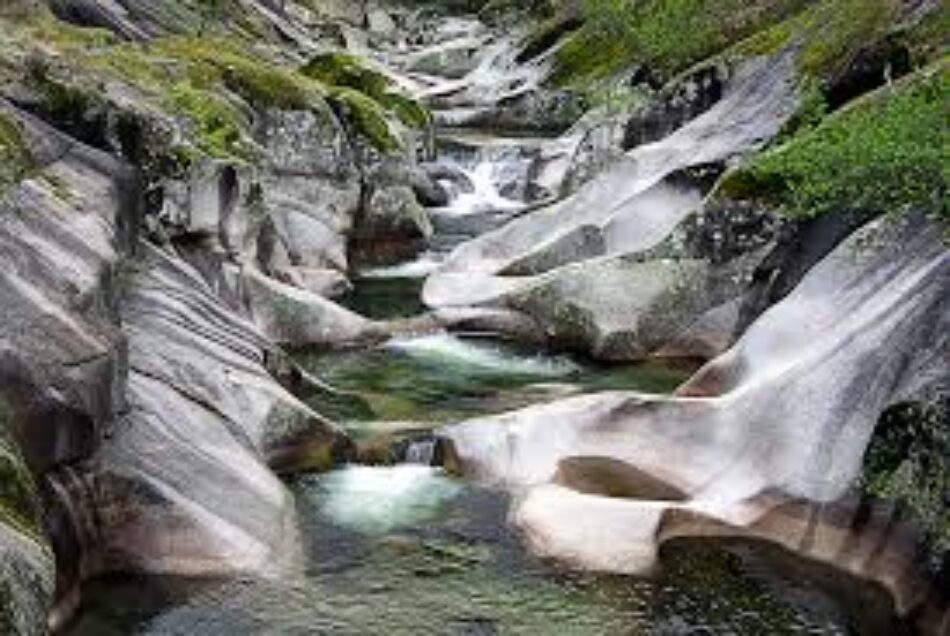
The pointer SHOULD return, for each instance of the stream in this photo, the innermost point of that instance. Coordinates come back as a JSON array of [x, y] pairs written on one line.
[[406, 549]]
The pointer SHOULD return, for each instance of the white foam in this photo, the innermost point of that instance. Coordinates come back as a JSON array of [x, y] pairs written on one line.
[[376, 500], [419, 268], [484, 196], [481, 356]]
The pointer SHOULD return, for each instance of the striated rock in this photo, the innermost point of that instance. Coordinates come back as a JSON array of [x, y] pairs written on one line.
[[183, 478], [295, 317], [759, 102], [133, 386]]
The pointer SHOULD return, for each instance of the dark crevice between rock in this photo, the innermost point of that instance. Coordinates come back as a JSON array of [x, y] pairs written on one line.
[[608, 477], [799, 246], [548, 38], [683, 101], [871, 69]]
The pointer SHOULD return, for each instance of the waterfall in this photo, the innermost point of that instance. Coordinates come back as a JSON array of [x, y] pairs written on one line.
[[420, 452]]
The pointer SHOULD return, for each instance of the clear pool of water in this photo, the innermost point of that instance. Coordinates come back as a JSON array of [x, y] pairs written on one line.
[[405, 550]]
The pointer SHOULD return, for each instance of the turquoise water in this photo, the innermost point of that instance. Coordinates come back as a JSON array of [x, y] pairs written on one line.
[[436, 379], [404, 550]]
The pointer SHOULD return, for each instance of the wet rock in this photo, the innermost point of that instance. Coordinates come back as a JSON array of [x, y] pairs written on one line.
[[452, 60], [380, 22]]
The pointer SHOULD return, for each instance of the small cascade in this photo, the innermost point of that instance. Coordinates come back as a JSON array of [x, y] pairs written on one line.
[[421, 452]]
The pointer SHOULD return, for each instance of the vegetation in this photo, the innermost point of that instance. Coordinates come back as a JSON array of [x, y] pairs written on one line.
[[908, 460], [18, 498], [367, 96], [211, 84], [15, 160], [619, 33], [830, 33], [885, 153]]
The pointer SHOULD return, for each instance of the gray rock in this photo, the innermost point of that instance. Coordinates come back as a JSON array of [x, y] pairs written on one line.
[[380, 22], [205, 415], [292, 316], [626, 263], [394, 213], [310, 187]]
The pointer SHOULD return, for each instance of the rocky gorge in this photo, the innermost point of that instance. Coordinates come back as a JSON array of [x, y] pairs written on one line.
[[335, 308]]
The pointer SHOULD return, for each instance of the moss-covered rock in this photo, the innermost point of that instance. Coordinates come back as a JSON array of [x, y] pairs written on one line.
[[908, 461], [887, 152], [26, 560], [367, 97]]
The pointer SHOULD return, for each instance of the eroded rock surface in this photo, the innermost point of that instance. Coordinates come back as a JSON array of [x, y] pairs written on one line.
[[784, 416]]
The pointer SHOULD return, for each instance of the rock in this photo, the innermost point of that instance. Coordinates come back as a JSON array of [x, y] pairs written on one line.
[[637, 305], [27, 567], [291, 316], [758, 103], [310, 187], [134, 399], [205, 414], [429, 192], [328, 283], [624, 265], [106, 14], [380, 22], [454, 59], [394, 213], [764, 442]]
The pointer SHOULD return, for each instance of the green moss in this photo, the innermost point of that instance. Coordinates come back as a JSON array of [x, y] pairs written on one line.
[[19, 509], [15, 159], [367, 117], [618, 33], [349, 79], [830, 33], [408, 110], [908, 460], [885, 153], [343, 69], [262, 84], [218, 126]]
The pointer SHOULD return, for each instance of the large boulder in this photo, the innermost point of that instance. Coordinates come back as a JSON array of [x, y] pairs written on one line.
[[765, 442], [310, 187], [184, 475], [299, 318]]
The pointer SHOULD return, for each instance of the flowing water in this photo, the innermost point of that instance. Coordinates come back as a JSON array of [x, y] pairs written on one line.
[[406, 549]]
